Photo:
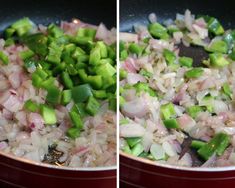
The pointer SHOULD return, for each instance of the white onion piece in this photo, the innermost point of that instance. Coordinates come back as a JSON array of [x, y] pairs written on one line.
[[232, 158], [169, 149], [186, 160], [203, 32], [132, 130], [152, 18], [219, 106], [186, 122], [128, 37], [135, 108], [133, 78], [178, 36], [188, 20], [210, 161], [157, 151], [147, 141]]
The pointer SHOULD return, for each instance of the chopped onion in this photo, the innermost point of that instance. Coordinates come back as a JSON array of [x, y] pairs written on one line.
[[135, 108], [131, 130], [152, 18], [157, 151], [169, 149], [128, 37]]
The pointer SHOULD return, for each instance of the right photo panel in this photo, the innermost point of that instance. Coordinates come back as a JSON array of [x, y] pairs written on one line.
[[176, 94]]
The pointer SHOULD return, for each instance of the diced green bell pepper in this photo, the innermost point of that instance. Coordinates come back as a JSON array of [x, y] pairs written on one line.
[[158, 31], [81, 93], [92, 106], [218, 60], [76, 120], [171, 123], [194, 73], [186, 61], [48, 114], [217, 145], [4, 58], [73, 132], [167, 111], [169, 56]]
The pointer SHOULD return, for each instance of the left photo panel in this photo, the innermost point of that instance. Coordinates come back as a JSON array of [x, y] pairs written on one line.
[[58, 82]]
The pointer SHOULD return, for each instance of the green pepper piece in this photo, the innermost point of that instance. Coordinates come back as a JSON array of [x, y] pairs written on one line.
[[123, 55], [92, 106], [31, 106], [103, 49], [167, 110], [227, 90], [80, 109], [76, 120], [217, 145], [95, 56], [229, 38], [26, 54], [55, 52], [73, 132], [78, 52], [137, 149], [218, 60], [9, 42], [4, 58], [67, 82], [53, 95], [171, 124], [105, 70], [135, 49], [54, 31], [197, 144], [112, 102], [9, 32], [29, 63], [218, 46], [133, 141], [46, 84], [36, 80], [232, 55], [194, 73], [95, 81], [215, 27], [99, 94], [66, 96], [48, 114], [83, 75], [112, 52], [70, 48], [140, 86], [86, 32], [22, 26], [81, 93], [194, 110], [58, 69], [169, 56], [123, 74], [186, 61], [158, 31], [37, 43], [42, 73], [145, 73]]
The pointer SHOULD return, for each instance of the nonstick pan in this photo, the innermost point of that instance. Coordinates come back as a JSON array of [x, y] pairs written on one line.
[[17, 172], [136, 172]]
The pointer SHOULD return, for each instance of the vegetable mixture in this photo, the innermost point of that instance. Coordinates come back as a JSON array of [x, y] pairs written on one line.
[[173, 110], [57, 93]]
